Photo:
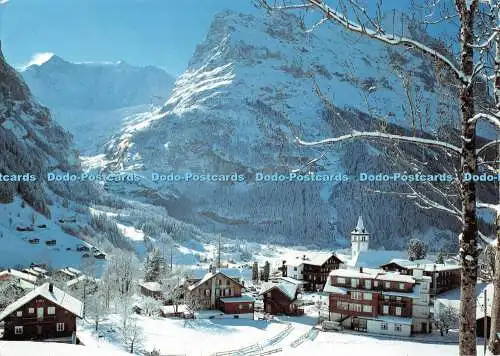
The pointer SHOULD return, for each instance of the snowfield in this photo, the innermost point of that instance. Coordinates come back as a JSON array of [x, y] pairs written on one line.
[[28, 348], [286, 337]]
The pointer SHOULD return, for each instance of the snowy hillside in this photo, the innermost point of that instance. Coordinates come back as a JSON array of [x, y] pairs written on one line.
[[248, 90], [41, 221], [94, 100]]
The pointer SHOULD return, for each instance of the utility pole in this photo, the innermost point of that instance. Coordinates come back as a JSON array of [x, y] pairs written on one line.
[[171, 257], [219, 253]]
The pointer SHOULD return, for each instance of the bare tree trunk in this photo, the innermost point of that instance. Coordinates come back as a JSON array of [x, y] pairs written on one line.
[[468, 239], [494, 343]]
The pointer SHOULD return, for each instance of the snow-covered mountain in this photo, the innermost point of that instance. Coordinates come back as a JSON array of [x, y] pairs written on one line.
[[250, 88], [96, 98]]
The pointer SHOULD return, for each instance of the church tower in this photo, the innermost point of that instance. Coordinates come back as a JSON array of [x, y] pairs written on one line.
[[359, 238]]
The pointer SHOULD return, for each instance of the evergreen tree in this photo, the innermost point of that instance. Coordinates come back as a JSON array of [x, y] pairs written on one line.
[[440, 258], [154, 266], [266, 273], [416, 249], [255, 272]]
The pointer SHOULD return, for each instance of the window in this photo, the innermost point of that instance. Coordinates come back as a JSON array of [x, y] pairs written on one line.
[[19, 314], [31, 310], [368, 284], [294, 268], [228, 282], [354, 283], [356, 295], [217, 292], [250, 306], [367, 296], [388, 285], [398, 311], [220, 281], [51, 310], [355, 307], [240, 306], [401, 286], [383, 326], [375, 283], [385, 309], [367, 308], [207, 292], [60, 326], [18, 330], [340, 280], [398, 299], [398, 328]]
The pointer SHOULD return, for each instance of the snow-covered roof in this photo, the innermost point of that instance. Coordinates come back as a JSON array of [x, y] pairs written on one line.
[[18, 274], [315, 258], [208, 276], [76, 280], [406, 263], [440, 267], [360, 227], [74, 270], [152, 286], [375, 259], [57, 296], [40, 270], [243, 298], [288, 289], [291, 280], [234, 273]]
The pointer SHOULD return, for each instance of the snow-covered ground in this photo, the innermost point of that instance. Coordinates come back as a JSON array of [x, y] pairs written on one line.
[[28, 348], [288, 336]]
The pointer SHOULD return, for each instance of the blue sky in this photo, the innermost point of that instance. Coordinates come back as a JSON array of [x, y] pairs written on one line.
[[141, 32], [163, 33]]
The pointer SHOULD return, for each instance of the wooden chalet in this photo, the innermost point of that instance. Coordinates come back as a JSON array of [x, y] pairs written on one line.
[[218, 291], [280, 298], [45, 313], [151, 289], [312, 268]]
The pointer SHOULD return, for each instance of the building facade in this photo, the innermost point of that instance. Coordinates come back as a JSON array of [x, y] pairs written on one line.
[[45, 313], [378, 302], [280, 298], [218, 291]]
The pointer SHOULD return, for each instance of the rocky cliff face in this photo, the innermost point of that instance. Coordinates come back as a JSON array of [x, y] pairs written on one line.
[[252, 86]]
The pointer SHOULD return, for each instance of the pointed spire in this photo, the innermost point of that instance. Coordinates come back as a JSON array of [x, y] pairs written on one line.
[[360, 227]]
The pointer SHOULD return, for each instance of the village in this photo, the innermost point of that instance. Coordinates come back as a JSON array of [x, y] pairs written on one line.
[[279, 306]]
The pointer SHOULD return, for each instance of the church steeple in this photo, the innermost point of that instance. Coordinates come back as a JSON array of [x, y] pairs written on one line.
[[359, 238]]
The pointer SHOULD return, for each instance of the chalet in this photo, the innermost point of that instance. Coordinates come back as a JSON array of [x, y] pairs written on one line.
[[219, 291], [81, 248], [280, 297], [13, 274], [379, 302], [444, 277], [45, 313], [66, 274], [237, 274], [151, 289], [37, 272], [312, 268], [99, 255]]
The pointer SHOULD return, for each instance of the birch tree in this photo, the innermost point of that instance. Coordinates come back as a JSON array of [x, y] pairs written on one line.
[[466, 72]]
